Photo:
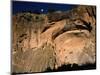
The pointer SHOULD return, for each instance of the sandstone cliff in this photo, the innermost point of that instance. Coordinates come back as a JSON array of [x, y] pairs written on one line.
[[41, 41]]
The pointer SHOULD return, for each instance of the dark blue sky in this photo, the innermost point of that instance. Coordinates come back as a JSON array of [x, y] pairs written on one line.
[[21, 6]]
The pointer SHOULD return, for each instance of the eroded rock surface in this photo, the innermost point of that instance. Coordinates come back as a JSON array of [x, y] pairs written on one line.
[[42, 41]]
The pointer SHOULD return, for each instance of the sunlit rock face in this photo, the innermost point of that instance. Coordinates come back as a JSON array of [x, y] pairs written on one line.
[[41, 41]]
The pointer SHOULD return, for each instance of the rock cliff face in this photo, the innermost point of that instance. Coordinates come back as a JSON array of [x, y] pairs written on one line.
[[41, 41]]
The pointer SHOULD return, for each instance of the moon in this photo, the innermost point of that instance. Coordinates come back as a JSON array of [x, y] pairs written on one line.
[[42, 10]]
